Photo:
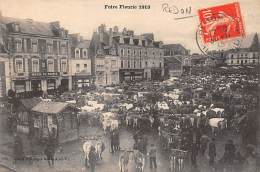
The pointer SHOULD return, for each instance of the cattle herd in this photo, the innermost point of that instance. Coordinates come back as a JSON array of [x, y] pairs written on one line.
[[179, 110]]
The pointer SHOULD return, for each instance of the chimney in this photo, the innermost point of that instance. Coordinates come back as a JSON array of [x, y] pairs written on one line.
[[140, 41], [121, 40], [115, 29], [131, 42], [55, 24]]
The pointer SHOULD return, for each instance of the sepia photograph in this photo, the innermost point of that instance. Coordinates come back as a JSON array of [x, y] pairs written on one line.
[[129, 86]]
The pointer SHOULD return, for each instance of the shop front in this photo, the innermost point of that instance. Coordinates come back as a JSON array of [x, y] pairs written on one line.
[[44, 82], [82, 80], [131, 74], [156, 74]]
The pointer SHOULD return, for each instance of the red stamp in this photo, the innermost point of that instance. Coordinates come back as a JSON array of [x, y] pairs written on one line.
[[221, 22]]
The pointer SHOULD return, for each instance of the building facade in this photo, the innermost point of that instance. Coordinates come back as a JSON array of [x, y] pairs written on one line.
[[176, 59], [80, 62], [140, 56], [37, 54], [107, 70], [247, 54]]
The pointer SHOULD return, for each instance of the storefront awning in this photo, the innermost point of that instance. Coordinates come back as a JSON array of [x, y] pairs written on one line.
[[50, 107]]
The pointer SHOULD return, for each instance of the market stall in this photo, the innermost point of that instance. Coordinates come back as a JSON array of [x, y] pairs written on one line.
[[57, 120]]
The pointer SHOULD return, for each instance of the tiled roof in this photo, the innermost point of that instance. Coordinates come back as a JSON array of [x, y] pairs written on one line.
[[50, 107], [247, 41], [174, 46], [31, 27], [30, 103], [83, 44], [172, 59]]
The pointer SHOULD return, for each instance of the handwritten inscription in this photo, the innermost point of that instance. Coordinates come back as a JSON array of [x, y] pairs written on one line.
[[173, 9]]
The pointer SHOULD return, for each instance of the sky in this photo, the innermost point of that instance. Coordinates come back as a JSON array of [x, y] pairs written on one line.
[[84, 16]]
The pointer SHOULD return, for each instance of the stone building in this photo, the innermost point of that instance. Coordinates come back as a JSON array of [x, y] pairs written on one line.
[[141, 57], [80, 62], [37, 54], [107, 70], [176, 59], [247, 54]]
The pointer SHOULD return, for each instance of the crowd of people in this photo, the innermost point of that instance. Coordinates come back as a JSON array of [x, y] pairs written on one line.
[[179, 111]]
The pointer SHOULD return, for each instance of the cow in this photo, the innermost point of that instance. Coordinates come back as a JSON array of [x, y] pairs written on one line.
[[139, 161], [124, 159], [217, 125], [99, 145], [110, 125], [151, 121]]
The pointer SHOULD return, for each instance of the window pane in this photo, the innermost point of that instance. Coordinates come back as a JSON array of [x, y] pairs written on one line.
[[50, 66]]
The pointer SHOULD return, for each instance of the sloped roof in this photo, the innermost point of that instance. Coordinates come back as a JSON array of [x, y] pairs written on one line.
[[173, 46], [50, 107], [172, 59], [83, 44], [31, 27], [198, 56], [247, 41], [30, 103], [148, 36]]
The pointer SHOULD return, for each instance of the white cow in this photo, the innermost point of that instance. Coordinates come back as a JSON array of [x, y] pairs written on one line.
[[98, 145], [217, 125], [110, 125], [124, 159], [139, 161], [109, 121]]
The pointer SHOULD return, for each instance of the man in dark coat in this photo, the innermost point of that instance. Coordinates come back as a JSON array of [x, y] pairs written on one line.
[[194, 153], [92, 159], [204, 143], [49, 152], [18, 148], [212, 152], [112, 138], [117, 141], [152, 154], [230, 151]]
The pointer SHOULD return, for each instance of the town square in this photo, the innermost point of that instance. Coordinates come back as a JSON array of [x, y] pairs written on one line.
[[125, 98]]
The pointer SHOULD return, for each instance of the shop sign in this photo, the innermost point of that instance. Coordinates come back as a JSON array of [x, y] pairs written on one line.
[[43, 74]]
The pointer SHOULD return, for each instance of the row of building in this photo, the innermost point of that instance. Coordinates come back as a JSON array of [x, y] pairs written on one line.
[[38, 57]]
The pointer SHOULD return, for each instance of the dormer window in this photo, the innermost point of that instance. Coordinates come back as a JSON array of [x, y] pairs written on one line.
[[85, 55], [77, 53], [16, 27]]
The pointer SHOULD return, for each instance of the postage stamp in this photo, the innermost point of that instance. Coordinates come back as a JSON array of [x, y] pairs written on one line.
[[221, 22]]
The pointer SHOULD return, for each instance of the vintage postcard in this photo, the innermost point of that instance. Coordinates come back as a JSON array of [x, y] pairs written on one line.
[[129, 86]]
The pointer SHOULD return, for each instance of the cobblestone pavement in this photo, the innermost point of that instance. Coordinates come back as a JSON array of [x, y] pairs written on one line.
[[71, 158]]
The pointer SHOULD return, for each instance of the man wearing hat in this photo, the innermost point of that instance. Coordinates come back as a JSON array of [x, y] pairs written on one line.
[[152, 154]]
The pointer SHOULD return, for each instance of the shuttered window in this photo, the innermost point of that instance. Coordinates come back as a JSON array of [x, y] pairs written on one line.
[[35, 65], [50, 64], [63, 65], [19, 65]]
